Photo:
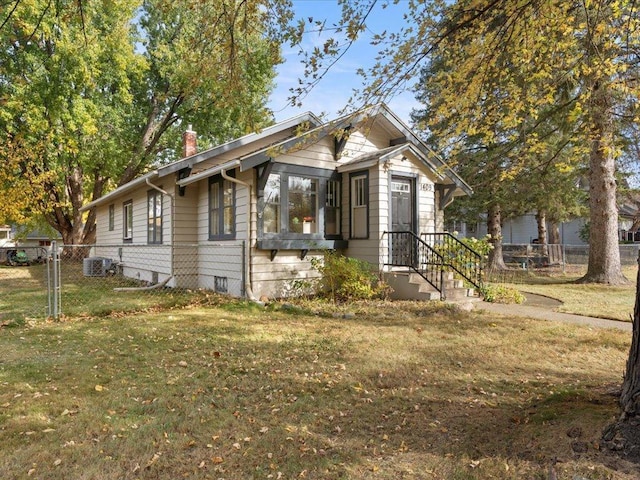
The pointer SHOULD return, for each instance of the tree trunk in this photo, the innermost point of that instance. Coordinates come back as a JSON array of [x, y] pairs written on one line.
[[554, 233], [604, 253], [541, 218], [494, 228], [630, 396], [621, 436]]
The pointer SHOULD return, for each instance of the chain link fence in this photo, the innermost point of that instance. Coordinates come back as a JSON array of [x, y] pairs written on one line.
[[540, 256], [95, 280], [98, 280]]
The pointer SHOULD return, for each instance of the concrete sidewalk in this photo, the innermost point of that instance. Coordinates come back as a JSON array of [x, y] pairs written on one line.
[[546, 313]]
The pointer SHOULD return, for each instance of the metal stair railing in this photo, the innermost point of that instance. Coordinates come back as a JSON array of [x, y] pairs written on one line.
[[406, 249], [456, 255]]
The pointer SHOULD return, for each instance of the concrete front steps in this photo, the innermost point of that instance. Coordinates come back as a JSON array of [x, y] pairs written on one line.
[[411, 286]]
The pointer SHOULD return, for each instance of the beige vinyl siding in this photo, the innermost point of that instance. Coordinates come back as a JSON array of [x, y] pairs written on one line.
[[221, 260], [186, 215], [367, 249], [103, 235], [276, 279], [319, 155], [358, 144]]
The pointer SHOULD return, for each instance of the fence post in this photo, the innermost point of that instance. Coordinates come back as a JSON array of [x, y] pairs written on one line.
[[54, 283]]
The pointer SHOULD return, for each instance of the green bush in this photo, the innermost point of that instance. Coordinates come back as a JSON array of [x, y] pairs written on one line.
[[343, 278], [501, 294]]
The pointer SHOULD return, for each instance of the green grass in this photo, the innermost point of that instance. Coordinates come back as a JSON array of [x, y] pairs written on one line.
[[401, 390], [25, 294], [595, 300]]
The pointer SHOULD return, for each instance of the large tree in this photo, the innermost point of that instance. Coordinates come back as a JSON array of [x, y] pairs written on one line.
[[576, 56], [93, 94]]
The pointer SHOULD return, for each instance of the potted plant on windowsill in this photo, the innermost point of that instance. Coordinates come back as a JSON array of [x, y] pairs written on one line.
[[308, 225]]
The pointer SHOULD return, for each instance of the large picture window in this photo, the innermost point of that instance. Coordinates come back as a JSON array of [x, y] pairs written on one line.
[[303, 205], [222, 221], [154, 216], [127, 221]]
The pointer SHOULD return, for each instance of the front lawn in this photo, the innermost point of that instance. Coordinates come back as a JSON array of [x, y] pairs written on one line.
[[593, 300], [234, 391]]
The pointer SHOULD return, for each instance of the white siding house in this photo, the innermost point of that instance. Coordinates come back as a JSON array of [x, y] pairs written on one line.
[[262, 206]]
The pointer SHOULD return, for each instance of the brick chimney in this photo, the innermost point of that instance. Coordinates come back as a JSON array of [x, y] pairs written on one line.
[[189, 143]]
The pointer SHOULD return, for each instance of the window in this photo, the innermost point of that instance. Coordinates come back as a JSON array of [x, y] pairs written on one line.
[[271, 211], [303, 205], [127, 221], [332, 215], [112, 216], [359, 206], [299, 203], [222, 223], [154, 216]]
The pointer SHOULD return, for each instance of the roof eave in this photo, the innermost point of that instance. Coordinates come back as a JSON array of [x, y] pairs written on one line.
[[120, 190]]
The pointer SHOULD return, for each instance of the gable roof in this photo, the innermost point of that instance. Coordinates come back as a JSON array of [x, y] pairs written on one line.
[[285, 128], [285, 136]]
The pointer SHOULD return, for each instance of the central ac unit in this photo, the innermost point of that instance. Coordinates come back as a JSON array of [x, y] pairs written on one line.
[[96, 266]]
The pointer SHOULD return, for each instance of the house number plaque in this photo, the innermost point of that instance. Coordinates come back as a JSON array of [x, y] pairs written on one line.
[[426, 187]]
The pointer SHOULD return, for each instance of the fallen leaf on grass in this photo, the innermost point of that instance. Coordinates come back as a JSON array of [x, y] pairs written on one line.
[[153, 460], [217, 460], [99, 388]]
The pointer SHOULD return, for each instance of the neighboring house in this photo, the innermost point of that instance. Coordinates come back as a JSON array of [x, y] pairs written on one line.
[[270, 201], [36, 244], [629, 217], [6, 237], [521, 230]]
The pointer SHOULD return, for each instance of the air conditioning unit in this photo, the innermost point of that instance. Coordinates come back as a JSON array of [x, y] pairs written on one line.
[[96, 266]]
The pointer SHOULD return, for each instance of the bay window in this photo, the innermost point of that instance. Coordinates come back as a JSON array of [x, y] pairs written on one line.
[[300, 203], [303, 205]]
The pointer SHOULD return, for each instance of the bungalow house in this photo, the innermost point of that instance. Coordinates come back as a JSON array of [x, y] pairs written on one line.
[[247, 216]]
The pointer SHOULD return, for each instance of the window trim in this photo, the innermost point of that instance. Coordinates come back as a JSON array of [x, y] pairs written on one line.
[[127, 221], [151, 220], [220, 180], [352, 177]]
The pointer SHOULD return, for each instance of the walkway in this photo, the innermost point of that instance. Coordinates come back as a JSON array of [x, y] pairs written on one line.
[[541, 308]]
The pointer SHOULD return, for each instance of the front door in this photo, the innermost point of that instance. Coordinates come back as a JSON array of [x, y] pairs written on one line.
[[402, 220]]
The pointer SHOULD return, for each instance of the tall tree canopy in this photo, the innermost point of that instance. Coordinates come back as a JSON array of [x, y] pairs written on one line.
[[93, 94], [506, 67]]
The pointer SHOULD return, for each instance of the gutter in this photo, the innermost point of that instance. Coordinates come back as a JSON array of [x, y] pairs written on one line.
[[155, 187], [247, 274], [120, 191]]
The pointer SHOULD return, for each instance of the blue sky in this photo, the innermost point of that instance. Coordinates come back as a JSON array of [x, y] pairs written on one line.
[[333, 92]]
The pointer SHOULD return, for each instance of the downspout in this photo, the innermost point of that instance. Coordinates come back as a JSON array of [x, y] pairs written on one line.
[[247, 274], [173, 217]]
